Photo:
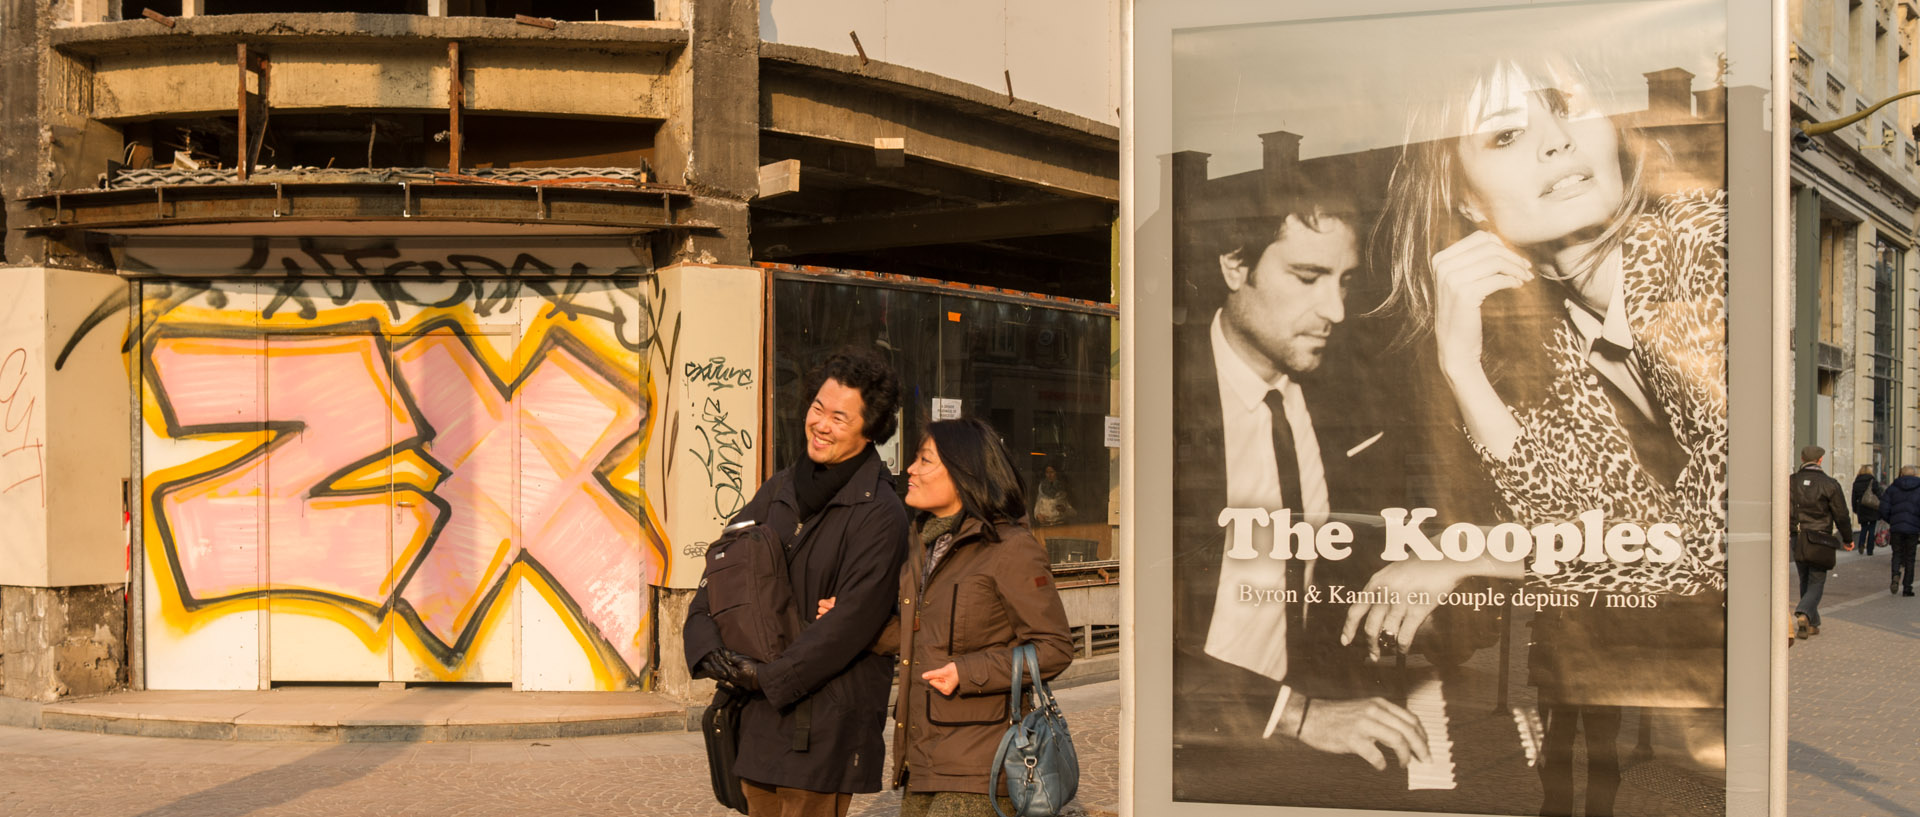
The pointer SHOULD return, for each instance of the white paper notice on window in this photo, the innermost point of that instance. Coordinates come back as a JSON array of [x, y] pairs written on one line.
[[1113, 431], [946, 409]]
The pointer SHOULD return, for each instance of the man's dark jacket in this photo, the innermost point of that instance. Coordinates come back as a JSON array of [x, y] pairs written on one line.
[[852, 553], [1213, 692], [1818, 503], [1900, 505]]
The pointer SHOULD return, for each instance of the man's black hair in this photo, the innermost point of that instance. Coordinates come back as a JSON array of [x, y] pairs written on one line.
[[1252, 223], [869, 374]]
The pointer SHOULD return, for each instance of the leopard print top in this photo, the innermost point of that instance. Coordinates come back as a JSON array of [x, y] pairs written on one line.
[[1573, 453]]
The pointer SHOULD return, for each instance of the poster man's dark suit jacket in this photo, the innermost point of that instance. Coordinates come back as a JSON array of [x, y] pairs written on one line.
[[1213, 697]]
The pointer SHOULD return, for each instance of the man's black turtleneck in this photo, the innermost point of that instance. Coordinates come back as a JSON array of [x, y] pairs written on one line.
[[814, 484]]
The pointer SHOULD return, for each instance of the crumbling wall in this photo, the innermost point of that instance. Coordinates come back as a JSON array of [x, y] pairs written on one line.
[[62, 642]]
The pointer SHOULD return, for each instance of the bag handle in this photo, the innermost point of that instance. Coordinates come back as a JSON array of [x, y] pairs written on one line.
[[1026, 663], [1023, 655]]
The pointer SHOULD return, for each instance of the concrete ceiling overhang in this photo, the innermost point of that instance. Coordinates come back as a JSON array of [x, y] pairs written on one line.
[[988, 189]]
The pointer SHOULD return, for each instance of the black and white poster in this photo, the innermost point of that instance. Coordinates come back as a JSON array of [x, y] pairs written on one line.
[[1450, 482]]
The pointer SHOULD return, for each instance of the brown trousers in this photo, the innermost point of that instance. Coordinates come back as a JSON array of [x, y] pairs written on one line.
[[781, 801], [950, 804]]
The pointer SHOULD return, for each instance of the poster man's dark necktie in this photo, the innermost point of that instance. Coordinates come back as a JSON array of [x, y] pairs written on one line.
[[1288, 464]]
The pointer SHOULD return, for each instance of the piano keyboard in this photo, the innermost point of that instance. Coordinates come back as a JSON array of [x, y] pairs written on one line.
[[1527, 720], [1425, 701]]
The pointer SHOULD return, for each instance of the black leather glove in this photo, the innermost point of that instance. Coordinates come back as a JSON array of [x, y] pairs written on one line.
[[713, 665], [743, 672]]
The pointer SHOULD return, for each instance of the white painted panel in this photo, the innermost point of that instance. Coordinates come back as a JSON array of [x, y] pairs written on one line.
[[551, 658], [316, 646], [222, 652], [193, 642], [23, 427], [586, 539]]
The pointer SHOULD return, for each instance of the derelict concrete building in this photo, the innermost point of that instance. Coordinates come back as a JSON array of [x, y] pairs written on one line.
[[430, 341]]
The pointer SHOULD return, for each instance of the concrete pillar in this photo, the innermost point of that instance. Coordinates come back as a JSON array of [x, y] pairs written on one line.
[[703, 463], [21, 56], [63, 461], [57, 642], [711, 142], [1806, 317]]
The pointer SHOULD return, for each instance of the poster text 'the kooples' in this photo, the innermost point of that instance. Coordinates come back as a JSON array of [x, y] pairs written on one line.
[[1551, 545]]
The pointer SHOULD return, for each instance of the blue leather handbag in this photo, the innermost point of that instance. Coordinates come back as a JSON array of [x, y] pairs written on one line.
[[1036, 758]]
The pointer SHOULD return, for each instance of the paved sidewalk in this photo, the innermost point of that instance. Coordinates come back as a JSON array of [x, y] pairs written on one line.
[[1854, 727], [46, 772], [1855, 751]]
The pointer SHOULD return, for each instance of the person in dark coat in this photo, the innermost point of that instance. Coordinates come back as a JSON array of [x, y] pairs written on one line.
[[1817, 506], [1900, 504], [846, 536], [1866, 485]]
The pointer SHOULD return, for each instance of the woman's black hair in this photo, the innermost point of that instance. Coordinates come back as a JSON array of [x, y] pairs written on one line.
[[869, 374], [982, 471]]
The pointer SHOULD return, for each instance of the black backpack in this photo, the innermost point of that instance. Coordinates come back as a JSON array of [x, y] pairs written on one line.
[[750, 598], [749, 594]]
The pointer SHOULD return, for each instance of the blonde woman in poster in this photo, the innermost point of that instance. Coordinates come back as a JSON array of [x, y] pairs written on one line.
[[1566, 283]]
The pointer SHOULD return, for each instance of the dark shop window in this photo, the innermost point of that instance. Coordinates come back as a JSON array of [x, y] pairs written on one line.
[[1042, 375]]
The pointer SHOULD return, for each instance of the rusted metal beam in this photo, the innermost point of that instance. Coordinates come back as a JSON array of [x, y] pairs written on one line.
[[456, 96], [245, 163], [636, 209]]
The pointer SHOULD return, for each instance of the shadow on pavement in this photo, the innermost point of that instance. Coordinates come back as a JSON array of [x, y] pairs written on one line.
[[1844, 776], [282, 784]]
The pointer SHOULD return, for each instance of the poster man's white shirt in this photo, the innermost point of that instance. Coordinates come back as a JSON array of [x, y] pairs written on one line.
[[1246, 635]]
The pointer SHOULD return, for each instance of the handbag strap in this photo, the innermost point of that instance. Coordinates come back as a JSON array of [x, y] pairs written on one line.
[[1023, 655]]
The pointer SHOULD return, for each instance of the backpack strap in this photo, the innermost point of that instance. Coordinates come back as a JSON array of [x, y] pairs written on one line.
[[802, 711]]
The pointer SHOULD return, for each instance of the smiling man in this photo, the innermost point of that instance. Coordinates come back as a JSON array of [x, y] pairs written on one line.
[[845, 532], [1256, 429]]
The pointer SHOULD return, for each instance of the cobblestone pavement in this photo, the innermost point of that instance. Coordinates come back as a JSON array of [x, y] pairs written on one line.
[[665, 775], [1854, 727]]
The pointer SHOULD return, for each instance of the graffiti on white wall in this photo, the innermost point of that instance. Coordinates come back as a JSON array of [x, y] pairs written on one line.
[[23, 460], [397, 456]]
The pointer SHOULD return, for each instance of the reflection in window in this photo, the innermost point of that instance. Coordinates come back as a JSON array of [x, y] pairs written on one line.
[[1039, 371]]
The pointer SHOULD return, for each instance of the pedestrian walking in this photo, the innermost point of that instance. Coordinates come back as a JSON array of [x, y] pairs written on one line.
[[1820, 527], [1866, 508], [813, 735], [1901, 506]]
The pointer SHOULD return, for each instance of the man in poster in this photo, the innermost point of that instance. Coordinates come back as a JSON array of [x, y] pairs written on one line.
[[1257, 430]]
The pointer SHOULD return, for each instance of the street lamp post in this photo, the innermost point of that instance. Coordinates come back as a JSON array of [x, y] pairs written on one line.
[[1803, 134]]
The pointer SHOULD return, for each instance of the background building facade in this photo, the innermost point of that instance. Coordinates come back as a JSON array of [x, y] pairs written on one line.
[[1855, 195]]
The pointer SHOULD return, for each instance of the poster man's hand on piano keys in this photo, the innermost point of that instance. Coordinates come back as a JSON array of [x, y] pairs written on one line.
[[1393, 625], [1363, 727]]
